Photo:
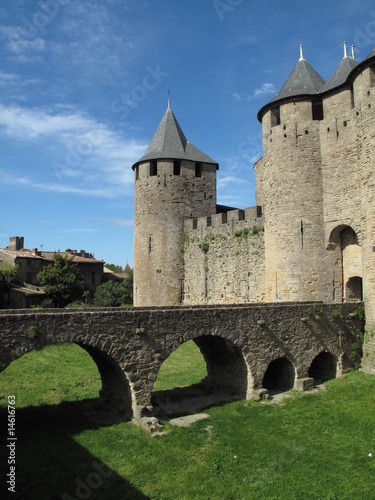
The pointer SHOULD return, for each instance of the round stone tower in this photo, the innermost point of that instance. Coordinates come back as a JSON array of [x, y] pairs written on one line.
[[293, 197], [364, 98], [173, 180]]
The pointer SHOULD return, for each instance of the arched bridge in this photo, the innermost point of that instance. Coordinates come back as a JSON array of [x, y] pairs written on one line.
[[247, 348]]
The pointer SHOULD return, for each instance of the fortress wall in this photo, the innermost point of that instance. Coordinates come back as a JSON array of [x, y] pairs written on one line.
[[224, 263], [341, 193], [339, 151], [364, 93], [294, 237]]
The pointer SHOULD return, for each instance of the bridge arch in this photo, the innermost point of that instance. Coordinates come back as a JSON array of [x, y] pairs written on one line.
[[228, 375], [323, 367], [115, 394], [280, 375]]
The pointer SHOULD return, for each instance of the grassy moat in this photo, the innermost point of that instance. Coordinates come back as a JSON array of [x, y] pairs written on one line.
[[308, 445]]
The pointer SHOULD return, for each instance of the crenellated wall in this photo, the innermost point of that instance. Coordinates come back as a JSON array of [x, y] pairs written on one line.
[[224, 258]]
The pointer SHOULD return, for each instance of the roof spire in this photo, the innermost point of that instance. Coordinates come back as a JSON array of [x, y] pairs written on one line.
[[301, 58], [169, 99], [345, 50], [353, 53]]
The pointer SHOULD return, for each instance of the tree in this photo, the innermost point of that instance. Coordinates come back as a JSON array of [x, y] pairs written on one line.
[[115, 294], [59, 280], [9, 272], [114, 267]]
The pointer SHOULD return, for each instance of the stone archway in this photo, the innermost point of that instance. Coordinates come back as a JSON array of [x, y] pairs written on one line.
[[323, 367], [226, 380], [279, 376], [348, 268], [115, 393], [353, 289]]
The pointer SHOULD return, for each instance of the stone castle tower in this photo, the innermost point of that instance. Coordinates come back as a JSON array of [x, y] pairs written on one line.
[[311, 235], [173, 180]]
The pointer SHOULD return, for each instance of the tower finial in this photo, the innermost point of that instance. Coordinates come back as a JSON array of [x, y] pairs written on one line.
[[345, 50], [169, 99], [301, 58], [353, 53]]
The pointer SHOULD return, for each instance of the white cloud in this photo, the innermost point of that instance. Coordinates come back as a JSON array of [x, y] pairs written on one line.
[[86, 157], [229, 180], [266, 88], [122, 222]]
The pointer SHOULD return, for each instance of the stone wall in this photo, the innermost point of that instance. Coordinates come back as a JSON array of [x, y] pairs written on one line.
[[238, 343], [364, 88], [224, 261], [162, 201]]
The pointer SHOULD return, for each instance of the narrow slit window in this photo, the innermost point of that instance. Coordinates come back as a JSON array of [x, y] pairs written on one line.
[[195, 223], [176, 167], [275, 116], [149, 245], [198, 169], [153, 168]]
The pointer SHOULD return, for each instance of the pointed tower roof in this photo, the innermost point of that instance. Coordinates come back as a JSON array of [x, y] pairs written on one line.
[[341, 73], [169, 142], [303, 81], [370, 56]]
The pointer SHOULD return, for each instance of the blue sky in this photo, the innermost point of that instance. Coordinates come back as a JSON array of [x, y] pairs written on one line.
[[84, 85]]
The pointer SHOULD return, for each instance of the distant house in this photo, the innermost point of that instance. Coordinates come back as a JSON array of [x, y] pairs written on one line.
[[25, 290]]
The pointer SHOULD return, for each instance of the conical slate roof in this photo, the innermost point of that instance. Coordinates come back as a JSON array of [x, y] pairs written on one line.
[[169, 142], [340, 75], [303, 80], [372, 54]]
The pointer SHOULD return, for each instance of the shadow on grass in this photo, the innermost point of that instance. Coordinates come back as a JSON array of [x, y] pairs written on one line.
[[51, 465], [182, 401]]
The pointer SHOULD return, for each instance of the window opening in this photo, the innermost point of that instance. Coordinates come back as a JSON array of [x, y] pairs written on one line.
[[198, 169], [275, 116], [317, 110], [176, 167], [153, 168]]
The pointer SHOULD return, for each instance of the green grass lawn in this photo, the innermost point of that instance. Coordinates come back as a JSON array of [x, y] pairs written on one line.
[[310, 445]]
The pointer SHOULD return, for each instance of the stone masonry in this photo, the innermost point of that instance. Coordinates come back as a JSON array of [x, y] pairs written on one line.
[[311, 236], [239, 343]]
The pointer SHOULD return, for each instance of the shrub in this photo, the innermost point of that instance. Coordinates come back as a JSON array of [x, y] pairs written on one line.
[[335, 314]]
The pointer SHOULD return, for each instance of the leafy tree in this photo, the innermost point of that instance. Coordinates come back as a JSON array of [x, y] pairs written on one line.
[[115, 294], [59, 280], [114, 267], [9, 272]]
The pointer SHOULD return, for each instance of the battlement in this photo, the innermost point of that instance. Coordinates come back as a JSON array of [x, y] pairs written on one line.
[[224, 222]]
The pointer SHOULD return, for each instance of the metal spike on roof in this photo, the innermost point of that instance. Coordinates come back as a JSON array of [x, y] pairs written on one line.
[[345, 50], [353, 53], [301, 58]]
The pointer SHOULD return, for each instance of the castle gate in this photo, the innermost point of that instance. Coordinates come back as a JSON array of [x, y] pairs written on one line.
[[247, 348]]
